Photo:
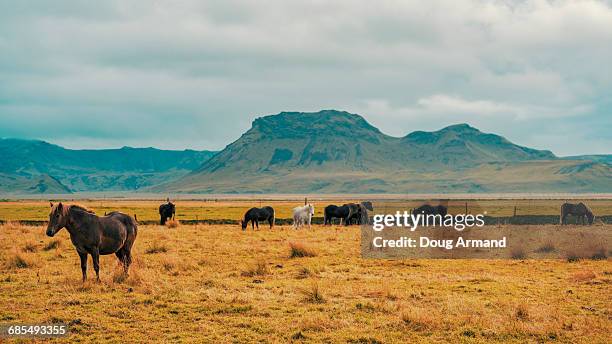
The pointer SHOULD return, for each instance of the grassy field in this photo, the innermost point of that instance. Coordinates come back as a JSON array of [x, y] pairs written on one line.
[[147, 210], [206, 283]]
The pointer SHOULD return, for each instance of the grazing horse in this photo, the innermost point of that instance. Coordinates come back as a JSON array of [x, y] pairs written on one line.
[[580, 210], [348, 212], [166, 211], [302, 215], [427, 209], [361, 215], [93, 235], [258, 214]]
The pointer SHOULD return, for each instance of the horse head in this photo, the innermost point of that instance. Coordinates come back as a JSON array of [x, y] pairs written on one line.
[[58, 217], [243, 224], [368, 205], [590, 217]]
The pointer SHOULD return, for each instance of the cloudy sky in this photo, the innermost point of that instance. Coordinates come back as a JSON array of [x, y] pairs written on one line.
[[194, 74]]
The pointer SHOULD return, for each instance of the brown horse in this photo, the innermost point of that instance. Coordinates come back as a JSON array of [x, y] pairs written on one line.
[[90, 234], [580, 210]]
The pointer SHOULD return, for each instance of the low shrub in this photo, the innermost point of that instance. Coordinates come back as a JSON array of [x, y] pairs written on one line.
[[299, 250]]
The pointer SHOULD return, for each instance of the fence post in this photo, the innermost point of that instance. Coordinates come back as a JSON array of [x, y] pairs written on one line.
[[466, 208]]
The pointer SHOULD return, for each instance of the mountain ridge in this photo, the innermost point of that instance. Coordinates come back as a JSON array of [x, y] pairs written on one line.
[[328, 151], [36, 166], [282, 153]]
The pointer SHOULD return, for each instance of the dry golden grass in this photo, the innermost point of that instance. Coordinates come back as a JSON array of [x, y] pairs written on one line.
[[220, 284], [299, 250], [173, 223], [259, 269], [156, 247], [52, 244]]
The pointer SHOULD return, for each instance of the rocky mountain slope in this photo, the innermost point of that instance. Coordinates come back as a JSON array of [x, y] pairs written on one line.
[[338, 152]]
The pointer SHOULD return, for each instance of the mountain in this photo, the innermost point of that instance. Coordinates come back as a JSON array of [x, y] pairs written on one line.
[[30, 166], [600, 158], [338, 152], [323, 152]]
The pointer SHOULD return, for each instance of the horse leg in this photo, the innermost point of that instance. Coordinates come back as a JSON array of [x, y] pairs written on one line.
[[121, 256], [128, 259], [125, 257], [95, 255], [83, 257], [257, 224]]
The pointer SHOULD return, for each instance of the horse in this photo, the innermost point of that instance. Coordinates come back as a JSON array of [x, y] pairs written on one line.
[[333, 211], [427, 209], [360, 216], [348, 212], [580, 210], [94, 235], [303, 215], [166, 211], [258, 214]]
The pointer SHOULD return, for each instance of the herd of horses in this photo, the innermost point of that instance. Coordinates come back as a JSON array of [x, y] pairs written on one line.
[[116, 232]]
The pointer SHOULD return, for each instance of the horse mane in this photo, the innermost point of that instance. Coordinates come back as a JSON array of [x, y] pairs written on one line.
[[588, 209], [81, 208], [66, 208]]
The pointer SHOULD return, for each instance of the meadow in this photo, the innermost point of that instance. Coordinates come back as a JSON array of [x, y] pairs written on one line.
[[216, 283], [223, 209]]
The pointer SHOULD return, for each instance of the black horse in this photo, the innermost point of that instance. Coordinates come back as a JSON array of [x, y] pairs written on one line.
[[348, 212], [166, 211], [93, 235], [427, 209], [258, 214], [333, 211]]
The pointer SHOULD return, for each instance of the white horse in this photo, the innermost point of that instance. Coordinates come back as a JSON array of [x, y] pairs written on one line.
[[302, 215]]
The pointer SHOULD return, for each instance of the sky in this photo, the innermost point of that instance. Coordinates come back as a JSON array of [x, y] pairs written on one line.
[[195, 74]]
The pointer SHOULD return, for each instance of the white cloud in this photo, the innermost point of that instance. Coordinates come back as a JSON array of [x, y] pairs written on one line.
[[207, 68]]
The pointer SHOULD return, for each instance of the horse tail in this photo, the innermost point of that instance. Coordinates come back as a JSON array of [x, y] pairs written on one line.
[[324, 216], [564, 211], [132, 222]]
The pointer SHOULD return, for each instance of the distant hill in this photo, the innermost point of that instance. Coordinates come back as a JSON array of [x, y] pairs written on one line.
[[30, 166], [338, 152], [323, 152], [601, 158]]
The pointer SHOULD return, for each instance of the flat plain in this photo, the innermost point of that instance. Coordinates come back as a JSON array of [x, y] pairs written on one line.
[[216, 283], [227, 209]]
